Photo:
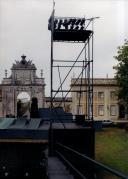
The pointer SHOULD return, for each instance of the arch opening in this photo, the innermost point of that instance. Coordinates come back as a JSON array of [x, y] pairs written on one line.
[[23, 105]]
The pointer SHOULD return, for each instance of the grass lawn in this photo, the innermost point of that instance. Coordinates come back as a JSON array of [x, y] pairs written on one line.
[[112, 148]]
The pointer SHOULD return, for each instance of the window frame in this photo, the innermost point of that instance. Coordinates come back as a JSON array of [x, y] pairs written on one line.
[[111, 110], [101, 95], [99, 110], [113, 95]]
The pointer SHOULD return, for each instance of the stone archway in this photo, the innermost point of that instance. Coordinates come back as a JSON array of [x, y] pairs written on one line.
[[23, 78]]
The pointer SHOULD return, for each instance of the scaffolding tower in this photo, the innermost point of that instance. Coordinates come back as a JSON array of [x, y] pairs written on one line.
[[73, 30]]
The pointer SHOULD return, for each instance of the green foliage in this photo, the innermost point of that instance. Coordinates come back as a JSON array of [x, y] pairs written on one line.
[[19, 104], [122, 73]]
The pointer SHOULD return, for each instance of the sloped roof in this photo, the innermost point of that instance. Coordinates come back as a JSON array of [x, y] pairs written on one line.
[[11, 128], [96, 82]]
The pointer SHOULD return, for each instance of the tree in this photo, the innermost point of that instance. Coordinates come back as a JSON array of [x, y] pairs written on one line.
[[122, 74], [34, 108], [19, 106]]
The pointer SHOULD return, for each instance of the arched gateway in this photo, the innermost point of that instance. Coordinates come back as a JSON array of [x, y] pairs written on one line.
[[23, 79]]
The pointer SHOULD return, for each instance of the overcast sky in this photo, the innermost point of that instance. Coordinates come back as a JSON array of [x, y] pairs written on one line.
[[23, 30]]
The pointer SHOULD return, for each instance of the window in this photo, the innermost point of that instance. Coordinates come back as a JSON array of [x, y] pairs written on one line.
[[100, 95], [112, 95], [113, 110], [101, 110], [79, 109], [67, 108]]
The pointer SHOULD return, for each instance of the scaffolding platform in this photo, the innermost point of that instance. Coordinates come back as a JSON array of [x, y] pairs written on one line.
[[71, 35]]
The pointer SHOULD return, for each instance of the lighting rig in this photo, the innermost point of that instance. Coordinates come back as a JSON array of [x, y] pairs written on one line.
[[67, 23], [68, 29]]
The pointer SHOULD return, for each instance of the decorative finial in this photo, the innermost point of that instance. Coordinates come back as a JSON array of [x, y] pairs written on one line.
[[23, 57], [23, 61], [41, 73], [6, 73]]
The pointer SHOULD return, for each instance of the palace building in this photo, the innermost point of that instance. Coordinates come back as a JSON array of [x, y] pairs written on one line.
[[105, 102]]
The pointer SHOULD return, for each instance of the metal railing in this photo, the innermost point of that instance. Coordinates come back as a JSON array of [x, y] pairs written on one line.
[[85, 167]]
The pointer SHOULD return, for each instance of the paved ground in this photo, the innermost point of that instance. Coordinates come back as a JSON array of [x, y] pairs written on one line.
[[57, 170]]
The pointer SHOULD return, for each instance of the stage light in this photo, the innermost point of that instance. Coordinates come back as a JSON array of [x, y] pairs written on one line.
[[77, 27], [78, 21], [71, 27], [82, 28], [55, 23], [70, 21], [65, 21], [82, 22], [74, 21], [65, 24], [59, 24]]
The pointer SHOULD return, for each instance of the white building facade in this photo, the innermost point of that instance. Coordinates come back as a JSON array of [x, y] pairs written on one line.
[[105, 101]]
